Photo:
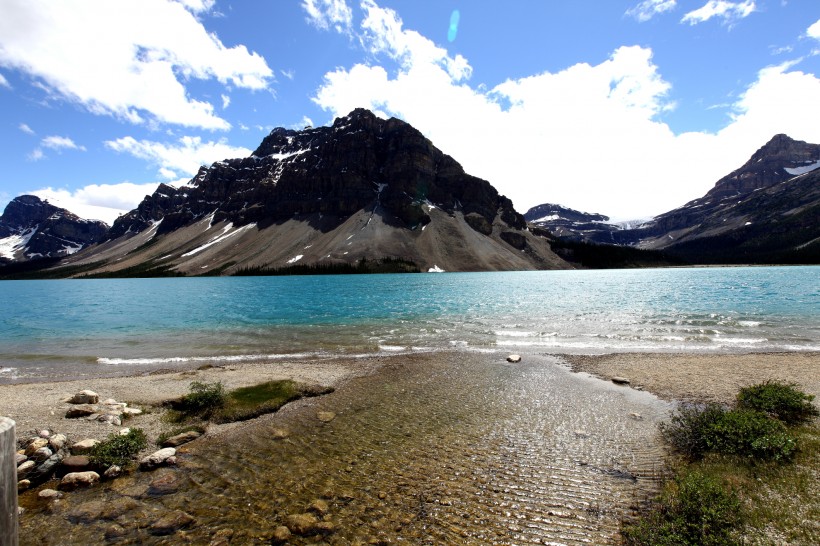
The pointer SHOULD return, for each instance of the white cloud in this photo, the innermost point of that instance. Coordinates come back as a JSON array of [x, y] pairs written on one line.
[[289, 74], [175, 160], [588, 137], [647, 9], [814, 31], [728, 11], [98, 201], [226, 101], [326, 13], [130, 59], [26, 129], [36, 155], [58, 143], [4, 82]]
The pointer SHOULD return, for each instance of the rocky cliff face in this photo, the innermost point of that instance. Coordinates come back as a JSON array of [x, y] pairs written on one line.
[[364, 188], [31, 228]]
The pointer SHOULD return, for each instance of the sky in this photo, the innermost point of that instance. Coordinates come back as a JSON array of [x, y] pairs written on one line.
[[628, 108]]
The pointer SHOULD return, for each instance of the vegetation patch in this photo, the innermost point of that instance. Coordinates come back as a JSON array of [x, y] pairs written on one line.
[[363, 266], [118, 449], [210, 401], [746, 475]]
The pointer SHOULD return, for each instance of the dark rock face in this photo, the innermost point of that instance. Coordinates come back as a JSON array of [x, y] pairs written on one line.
[[360, 163], [571, 224], [45, 231]]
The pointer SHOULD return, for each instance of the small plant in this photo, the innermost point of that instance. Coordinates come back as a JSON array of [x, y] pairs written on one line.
[[118, 449], [696, 430], [203, 398], [695, 509], [782, 401]]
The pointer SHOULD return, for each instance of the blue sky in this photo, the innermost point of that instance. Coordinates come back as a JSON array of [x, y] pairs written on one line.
[[624, 107]]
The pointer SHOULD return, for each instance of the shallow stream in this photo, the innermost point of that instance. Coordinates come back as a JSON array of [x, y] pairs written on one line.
[[432, 449]]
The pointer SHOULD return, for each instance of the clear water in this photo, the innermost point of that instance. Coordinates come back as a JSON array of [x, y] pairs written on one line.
[[75, 328]]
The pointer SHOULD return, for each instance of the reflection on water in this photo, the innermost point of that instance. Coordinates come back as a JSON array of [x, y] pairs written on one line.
[[435, 449]]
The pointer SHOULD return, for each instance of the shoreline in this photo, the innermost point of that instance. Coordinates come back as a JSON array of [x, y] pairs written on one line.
[[688, 377]]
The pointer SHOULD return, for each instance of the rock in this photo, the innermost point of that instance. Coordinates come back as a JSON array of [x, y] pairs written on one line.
[[183, 438], [73, 480], [158, 458], [112, 402], [164, 484], [636, 416], [23, 485], [80, 411], [171, 523], [114, 532], [76, 463], [84, 446], [48, 466], [302, 524], [110, 419], [49, 494], [581, 433], [125, 431], [325, 416], [620, 380], [514, 358], [223, 537], [86, 512], [44, 433], [281, 535], [57, 441], [35, 444], [118, 507], [84, 397], [112, 472], [41, 454], [19, 459], [25, 468], [131, 411], [318, 506]]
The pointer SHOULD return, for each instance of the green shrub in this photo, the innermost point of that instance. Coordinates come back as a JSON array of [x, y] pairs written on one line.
[[203, 398], [118, 449], [780, 400], [695, 509], [696, 430]]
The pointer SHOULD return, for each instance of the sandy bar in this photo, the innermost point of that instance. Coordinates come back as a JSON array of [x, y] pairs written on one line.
[[702, 378], [37, 406]]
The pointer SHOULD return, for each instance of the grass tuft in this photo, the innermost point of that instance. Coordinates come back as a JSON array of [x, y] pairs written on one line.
[[118, 449]]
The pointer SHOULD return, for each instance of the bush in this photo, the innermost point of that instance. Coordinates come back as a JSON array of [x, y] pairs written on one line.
[[695, 509], [118, 449], [782, 401], [204, 398], [696, 430]]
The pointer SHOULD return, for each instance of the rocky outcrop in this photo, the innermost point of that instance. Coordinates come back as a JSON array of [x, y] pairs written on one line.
[[31, 228]]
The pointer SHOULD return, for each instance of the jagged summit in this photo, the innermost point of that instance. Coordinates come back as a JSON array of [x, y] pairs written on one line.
[[380, 182], [31, 228]]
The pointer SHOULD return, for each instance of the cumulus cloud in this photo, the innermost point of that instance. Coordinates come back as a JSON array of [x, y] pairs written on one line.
[[226, 101], [182, 158], [58, 143], [324, 14], [647, 9], [26, 129], [590, 136], [98, 201], [36, 155], [728, 11], [814, 31], [130, 59]]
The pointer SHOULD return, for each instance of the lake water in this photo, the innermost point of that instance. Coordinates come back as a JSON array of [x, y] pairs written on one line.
[[74, 328]]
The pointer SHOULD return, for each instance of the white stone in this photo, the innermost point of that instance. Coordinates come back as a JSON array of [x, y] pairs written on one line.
[[84, 446], [84, 397], [514, 358], [157, 458], [73, 480]]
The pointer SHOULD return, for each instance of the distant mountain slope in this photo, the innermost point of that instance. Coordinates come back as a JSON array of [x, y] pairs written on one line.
[[573, 225], [767, 211], [31, 228], [364, 188]]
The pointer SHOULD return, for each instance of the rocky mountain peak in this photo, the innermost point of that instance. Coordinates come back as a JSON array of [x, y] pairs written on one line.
[[32, 228]]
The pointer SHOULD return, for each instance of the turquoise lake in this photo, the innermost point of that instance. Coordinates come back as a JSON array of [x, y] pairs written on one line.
[[75, 328]]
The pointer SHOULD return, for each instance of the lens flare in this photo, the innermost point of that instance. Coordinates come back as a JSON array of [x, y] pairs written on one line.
[[453, 30]]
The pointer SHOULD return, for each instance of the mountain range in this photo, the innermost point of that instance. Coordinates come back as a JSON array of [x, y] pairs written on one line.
[[767, 211], [368, 194]]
